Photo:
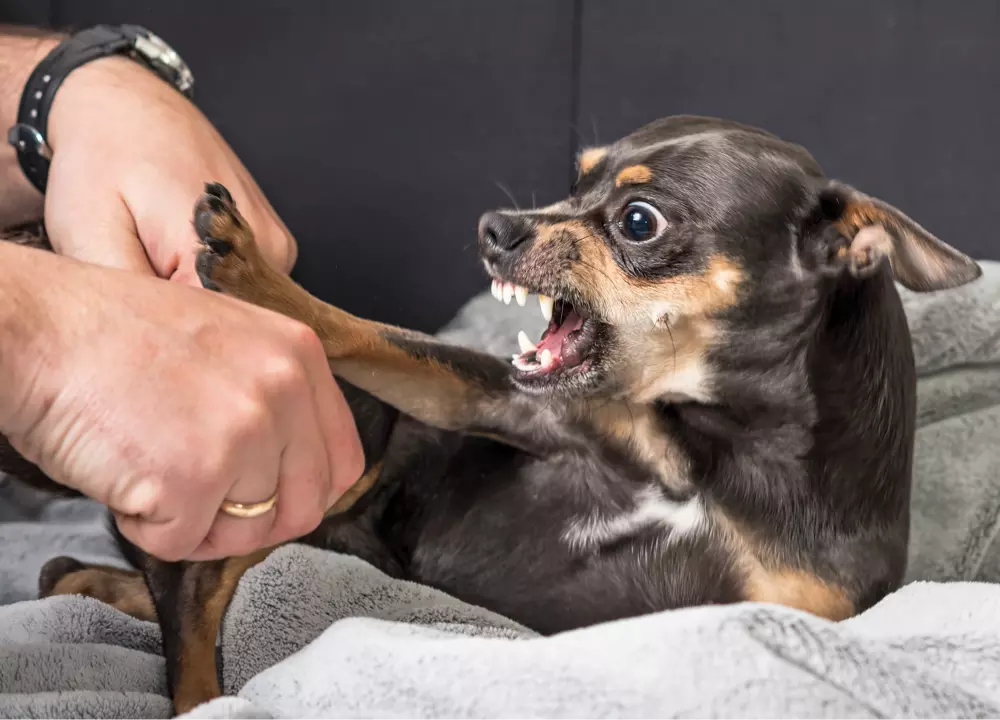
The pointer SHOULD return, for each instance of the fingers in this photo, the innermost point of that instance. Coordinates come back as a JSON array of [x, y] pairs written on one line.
[[302, 476], [94, 226], [303, 486], [345, 456], [292, 436], [170, 541], [252, 457]]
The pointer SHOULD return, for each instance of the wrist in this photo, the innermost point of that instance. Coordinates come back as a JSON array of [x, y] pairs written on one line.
[[109, 83], [20, 51]]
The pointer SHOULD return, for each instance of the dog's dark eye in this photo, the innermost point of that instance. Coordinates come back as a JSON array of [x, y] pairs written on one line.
[[641, 221]]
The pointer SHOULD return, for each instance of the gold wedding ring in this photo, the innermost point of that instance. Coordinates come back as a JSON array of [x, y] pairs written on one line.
[[249, 510]]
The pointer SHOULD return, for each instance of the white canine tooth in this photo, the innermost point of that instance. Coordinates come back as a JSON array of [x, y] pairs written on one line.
[[495, 288], [508, 292], [545, 358], [521, 295], [525, 344], [546, 304]]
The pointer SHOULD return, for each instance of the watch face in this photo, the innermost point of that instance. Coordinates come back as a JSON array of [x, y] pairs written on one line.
[[166, 61]]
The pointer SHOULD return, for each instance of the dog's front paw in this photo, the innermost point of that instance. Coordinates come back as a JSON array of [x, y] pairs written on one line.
[[228, 257]]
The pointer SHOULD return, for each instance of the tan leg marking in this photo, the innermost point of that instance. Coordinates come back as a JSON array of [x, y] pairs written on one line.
[[347, 500], [367, 354], [125, 590], [197, 674]]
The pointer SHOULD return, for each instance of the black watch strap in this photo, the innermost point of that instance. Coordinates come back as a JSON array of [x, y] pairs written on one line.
[[28, 136]]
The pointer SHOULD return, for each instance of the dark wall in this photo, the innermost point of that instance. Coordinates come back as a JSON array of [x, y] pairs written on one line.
[[380, 130], [901, 99]]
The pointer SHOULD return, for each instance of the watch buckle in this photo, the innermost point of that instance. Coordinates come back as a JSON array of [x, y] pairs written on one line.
[[25, 138]]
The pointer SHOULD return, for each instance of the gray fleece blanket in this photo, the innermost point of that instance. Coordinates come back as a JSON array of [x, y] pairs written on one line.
[[315, 634]]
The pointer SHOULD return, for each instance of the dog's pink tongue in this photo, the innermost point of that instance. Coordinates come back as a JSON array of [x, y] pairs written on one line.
[[553, 338]]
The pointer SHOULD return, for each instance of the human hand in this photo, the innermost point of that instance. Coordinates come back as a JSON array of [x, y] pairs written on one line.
[[130, 158], [161, 401]]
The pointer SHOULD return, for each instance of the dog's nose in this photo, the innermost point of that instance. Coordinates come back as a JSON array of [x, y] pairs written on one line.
[[501, 233]]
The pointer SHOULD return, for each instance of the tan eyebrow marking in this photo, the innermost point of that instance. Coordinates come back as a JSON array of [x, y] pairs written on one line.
[[634, 175], [589, 158]]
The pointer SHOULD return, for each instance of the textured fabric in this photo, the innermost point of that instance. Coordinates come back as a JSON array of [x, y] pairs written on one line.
[[311, 633], [928, 651]]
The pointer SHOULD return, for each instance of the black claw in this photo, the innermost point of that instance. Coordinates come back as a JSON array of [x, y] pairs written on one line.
[[219, 190], [217, 204], [219, 247], [203, 265], [203, 226], [55, 570]]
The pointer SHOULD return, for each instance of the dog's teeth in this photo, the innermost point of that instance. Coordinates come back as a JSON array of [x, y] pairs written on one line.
[[521, 295], [545, 358], [524, 343], [495, 289], [521, 364], [508, 293], [546, 304]]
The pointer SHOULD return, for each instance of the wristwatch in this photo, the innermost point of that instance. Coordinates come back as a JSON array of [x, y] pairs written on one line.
[[27, 136]]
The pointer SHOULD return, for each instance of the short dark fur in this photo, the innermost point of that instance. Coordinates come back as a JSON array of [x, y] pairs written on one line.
[[794, 428]]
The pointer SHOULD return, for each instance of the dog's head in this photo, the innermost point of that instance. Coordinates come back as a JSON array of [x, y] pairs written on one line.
[[671, 236]]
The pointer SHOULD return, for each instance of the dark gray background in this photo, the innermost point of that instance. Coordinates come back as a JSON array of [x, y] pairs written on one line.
[[381, 129]]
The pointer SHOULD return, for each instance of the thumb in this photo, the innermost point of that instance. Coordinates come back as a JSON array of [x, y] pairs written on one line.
[[97, 230]]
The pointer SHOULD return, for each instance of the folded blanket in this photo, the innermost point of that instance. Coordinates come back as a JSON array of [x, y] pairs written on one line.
[[314, 634], [311, 633]]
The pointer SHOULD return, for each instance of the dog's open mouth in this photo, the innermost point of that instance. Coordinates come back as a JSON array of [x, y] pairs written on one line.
[[567, 344]]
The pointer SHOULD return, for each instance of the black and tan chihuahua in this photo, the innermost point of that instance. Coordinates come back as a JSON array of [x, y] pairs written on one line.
[[721, 409]]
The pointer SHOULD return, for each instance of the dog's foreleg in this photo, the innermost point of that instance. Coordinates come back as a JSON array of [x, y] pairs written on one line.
[[442, 385]]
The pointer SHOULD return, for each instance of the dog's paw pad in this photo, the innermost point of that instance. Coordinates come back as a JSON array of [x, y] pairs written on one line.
[[55, 570]]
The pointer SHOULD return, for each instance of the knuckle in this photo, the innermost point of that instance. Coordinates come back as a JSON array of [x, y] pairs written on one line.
[[284, 373], [140, 498], [248, 418], [305, 339]]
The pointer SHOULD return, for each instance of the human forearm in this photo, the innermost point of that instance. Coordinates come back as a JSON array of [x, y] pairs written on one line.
[[20, 50], [27, 337]]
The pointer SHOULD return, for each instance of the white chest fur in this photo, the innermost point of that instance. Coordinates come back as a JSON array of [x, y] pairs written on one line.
[[651, 510]]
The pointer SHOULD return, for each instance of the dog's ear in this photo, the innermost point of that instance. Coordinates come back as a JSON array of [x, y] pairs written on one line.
[[867, 231]]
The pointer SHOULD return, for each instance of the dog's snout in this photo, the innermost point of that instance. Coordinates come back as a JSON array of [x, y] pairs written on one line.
[[501, 233]]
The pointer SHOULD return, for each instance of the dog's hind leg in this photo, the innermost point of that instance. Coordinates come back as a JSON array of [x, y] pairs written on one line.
[[188, 600], [125, 590], [191, 600], [444, 386]]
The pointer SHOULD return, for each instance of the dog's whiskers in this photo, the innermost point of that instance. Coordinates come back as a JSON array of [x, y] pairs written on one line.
[[509, 194]]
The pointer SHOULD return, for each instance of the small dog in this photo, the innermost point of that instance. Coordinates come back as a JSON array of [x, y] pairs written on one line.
[[721, 409]]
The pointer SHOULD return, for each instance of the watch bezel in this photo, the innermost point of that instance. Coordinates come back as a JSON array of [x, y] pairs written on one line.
[[155, 51]]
